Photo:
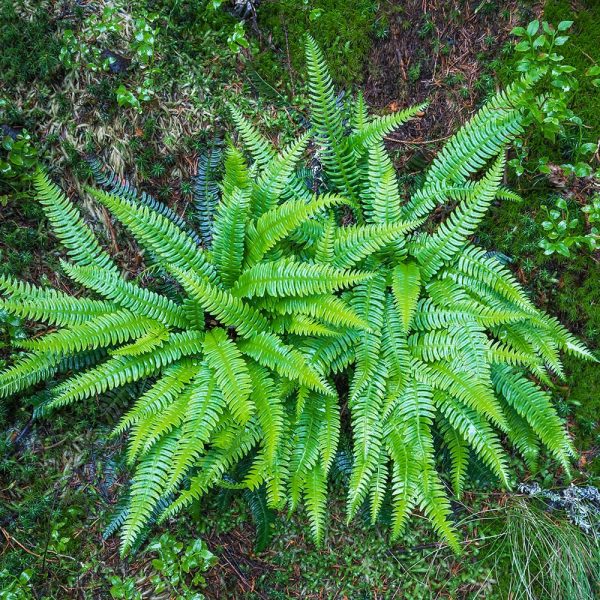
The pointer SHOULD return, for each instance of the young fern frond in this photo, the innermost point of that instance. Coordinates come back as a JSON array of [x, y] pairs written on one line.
[[279, 222], [231, 373], [229, 235]]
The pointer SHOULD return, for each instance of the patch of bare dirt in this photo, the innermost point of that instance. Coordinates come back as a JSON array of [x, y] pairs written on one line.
[[440, 51]]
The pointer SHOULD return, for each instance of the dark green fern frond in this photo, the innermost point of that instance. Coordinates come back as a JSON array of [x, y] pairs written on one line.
[[205, 190]]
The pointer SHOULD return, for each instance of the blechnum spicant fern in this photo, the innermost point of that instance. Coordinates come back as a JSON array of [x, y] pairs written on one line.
[[280, 301]]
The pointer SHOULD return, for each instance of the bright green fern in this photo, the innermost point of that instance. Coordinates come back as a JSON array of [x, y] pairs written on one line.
[[294, 297]]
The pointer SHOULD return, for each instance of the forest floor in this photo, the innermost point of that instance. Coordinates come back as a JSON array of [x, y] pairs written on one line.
[[60, 480]]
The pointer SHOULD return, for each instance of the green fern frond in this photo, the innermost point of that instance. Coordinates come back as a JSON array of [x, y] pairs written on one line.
[[149, 484], [162, 237], [105, 330], [48, 305], [171, 384], [260, 148], [204, 410], [128, 295], [381, 200], [228, 309], [338, 158], [269, 410], [305, 447], [460, 384], [27, 371], [154, 337], [120, 370], [212, 466], [477, 433], [328, 308], [268, 350], [366, 408], [376, 129], [369, 302], [315, 497], [276, 224], [231, 372], [81, 244], [405, 472], [356, 243], [229, 234], [286, 277], [276, 177], [406, 286], [458, 450], [473, 267], [442, 246], [534, 405]]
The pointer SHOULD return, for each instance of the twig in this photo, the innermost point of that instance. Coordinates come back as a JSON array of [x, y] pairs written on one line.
[[11, 539], [410, 142]]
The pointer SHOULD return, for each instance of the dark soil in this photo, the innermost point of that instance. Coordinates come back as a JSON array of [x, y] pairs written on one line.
[[439, 50]]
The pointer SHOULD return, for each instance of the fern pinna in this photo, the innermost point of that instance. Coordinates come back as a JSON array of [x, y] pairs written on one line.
[[284, 302]]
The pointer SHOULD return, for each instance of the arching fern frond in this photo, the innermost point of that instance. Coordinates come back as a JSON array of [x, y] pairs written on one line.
[[81, 244]]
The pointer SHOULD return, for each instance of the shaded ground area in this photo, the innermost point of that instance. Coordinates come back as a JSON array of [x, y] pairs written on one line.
[[441, 51]]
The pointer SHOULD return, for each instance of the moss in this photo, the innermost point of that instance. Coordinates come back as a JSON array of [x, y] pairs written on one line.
[[29, 45], [581, 52], [341, 27]]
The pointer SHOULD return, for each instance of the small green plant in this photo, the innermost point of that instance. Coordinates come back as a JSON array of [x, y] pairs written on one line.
[[85, 47], [592, 210], [564, 232], [88, 47], [237, 38], [124, 588], [14, 587], [178, 569], [19, 156], [539, 49], [134, 99], [180, 566], [539, 52]]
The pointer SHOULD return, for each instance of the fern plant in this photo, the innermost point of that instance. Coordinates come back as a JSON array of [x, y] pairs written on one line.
[[291, 305]]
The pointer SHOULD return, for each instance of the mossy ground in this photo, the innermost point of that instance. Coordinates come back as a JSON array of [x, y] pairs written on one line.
[[343, 28]]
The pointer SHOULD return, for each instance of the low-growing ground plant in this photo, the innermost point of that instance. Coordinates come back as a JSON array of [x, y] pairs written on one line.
[[546, 556], [322, 304]]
